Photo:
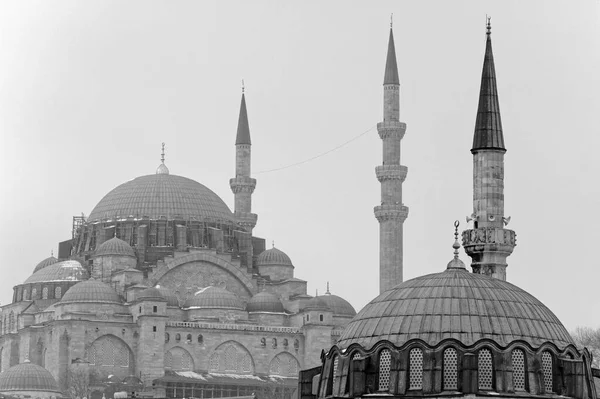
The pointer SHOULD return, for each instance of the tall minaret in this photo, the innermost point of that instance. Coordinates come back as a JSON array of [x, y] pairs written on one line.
[[243, 185], [488, 243], [391, 214]]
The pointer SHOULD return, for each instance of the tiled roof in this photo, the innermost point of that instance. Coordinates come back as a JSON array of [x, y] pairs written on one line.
[[27, 377], [265, 302], [68, 270], [488, 126], [338, 305], [46, 262], [273, 256], [214, 298], [162, 195], [92, 291], [115, 246], [455, 304]]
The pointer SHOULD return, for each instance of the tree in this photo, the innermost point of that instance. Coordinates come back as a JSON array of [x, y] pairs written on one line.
[[78, 379], [589, 338]]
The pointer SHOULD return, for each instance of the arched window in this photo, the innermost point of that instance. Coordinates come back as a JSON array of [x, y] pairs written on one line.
[[45, 293], [356, 356], [1, 352], [415, 370], [11, 322], [25, 295], [214, 362], [57, 292], [450, 369], [33, 293], [547, 371], [230, 355], [485, 370], [189, 338], [320, 317], [179, 359], [108, 351], [200, 339], [177, 337], [385, 362], [167, 337], [518, 363], [336, 361]]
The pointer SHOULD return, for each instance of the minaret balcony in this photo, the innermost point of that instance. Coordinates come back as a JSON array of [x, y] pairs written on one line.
[[242, 184], [493, 239], [391, 211], [391, 172], [246, 219], [391, 129]]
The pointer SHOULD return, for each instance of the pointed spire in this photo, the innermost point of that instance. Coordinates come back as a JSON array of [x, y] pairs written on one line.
[[243, 130], [162, 168], [488, 126], [456, 263], [391, 67]]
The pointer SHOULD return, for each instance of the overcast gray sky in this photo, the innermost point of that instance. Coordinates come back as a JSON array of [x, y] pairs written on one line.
[[89, 90]]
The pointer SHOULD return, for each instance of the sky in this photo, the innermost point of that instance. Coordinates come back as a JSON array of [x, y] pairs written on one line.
[[90, 90]]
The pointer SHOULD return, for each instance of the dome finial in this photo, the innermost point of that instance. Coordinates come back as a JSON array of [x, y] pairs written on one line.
[[243, 87], [162, 154], [162, 168], [273, 243], [327, 292], [489, 25], [51, 252], [391, 20], [456, 263]]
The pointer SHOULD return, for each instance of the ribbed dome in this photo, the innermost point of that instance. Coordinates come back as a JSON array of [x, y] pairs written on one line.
[[273, 256], [455, 304], [150, 294], [214, 298], [265, 302], [115, 246], [27, 377], [338, 305], [45, 263], [68, 270], [315, 303], [169, 295], [162, 195], [92, 291]]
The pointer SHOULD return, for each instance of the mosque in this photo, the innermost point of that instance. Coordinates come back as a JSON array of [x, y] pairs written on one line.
[[454, 333], [164, 291]]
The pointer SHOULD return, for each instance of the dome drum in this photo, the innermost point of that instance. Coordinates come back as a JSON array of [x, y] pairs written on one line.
[[414, 370]]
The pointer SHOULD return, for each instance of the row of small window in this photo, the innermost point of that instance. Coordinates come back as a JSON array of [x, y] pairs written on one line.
[[485, 369], [188, 339], [7, 324], [263, 343], [321, 317], [24, 295]]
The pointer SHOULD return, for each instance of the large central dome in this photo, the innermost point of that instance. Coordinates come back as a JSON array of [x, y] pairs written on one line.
[[162, 195]]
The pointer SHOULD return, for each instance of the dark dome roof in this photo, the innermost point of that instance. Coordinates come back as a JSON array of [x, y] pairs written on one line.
[[315, 303], [115, 246], [68, 270], [94, 291], [214, 298], [338, 305], [265, 302], [169, 295], [27, 377], [150, 294], [455, 304], [273, 256], [162, 195], [46, 262]]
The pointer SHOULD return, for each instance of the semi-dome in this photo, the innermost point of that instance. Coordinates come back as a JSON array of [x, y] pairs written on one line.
[[27, 377], [338, 305], [68, 270], [162, 196], [455, 304], [273, 256], [150, 294], [214, 298], [265, 302], [91, 291], [45, 263], [115, 246]]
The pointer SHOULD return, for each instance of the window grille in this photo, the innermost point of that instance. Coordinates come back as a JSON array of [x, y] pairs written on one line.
[[57, 292], [356, 356], [275, 367], [450, 369], [230, 355], [293, 367], [547, 370], [45, 293], [168, 360], [415, 372], [214, 362], [518, 363], [385, 361], [335, 369], [484, 369], [246, 364]]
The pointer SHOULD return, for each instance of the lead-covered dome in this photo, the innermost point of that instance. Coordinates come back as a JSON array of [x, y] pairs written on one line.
[[338, 305], [455, 304], [68, 270], [214, 298], [162, 196], [115, 246], [45, 263], [265, 302], [27, 377], [91, 291], [273, 256]]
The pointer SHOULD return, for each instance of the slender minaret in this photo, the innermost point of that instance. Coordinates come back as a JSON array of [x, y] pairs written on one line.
[[488, 243], [243, 185], [391, 214]]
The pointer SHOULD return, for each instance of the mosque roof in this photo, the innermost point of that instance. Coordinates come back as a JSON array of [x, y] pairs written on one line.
[[316, 303], [114, 246], [45, 263], [214, 298], [273, 256], [27, 377], [150, 294], [455, 304], [67, 270], [265, 302], [338, 305], [162, 196], [169, 295], [92, 291]]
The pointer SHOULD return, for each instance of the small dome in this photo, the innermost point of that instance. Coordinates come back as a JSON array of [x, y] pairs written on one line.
[[172, 300], [115, 246], [162, 169], [68, 270], [338, 305], [27, 377], [214, 298], [91, 291], [316, 303], [150, 294], [273, 256], [265, 302], [46, 262]]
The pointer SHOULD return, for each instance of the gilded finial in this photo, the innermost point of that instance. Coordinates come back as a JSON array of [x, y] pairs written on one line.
[[162, 154], [327, 292], [489, 25], [456, 263], [243, 87], [391, 20], [273, 243], [162, 168]]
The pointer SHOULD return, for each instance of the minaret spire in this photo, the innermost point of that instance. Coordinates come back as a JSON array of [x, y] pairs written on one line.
[[391, 213], [243, 130], [488, 243], [162, 168]]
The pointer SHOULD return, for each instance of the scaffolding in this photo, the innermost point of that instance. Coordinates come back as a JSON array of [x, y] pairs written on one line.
[[78, 221]]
